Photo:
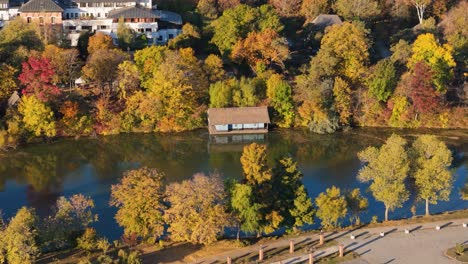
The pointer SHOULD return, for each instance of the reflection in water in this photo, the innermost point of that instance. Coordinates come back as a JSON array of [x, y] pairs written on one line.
[[38, 174]]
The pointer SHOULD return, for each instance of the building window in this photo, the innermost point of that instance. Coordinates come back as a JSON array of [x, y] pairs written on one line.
[[160, 38], [171, 36], [86, 27], [41, 20], [68, 16], [148, 29], [108, 5], [29, 19], [105, 15], [52, 20], [82, 4]]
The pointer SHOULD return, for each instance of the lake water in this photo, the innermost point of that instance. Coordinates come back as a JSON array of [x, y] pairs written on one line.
[[36, 175]]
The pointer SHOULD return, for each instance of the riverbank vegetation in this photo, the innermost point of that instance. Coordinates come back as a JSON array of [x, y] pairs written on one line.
[[383, 66], [200, 210]]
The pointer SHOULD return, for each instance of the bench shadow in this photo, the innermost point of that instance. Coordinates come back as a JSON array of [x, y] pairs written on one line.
[[363, 233], [390, 261], [445, 225], [415, 228], [391, 231], [365, 252], [367, 243], [350, 245]]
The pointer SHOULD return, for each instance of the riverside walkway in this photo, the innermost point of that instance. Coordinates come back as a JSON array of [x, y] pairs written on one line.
[[423, 244]]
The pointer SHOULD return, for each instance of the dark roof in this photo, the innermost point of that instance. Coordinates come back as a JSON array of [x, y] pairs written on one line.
[[132, 12], [168, 16], [238, 115], [324, 20], [40, 6], [103, 1]]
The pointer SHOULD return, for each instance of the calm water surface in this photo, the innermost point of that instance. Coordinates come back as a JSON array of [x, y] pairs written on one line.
[[37, 175]]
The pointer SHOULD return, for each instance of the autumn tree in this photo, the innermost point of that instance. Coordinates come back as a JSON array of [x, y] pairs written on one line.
[[213, 66], [431, 162], [387, 168], [357, 9], [245, 91], [71, 217], [7, 81], [286, 8], [65, 62], [188, 38], [236, 23], [356, 204], [343, 100], [17, 40], [220, 95], [139, 196], [420, 6], [128, 79], [20, 237], [73, 122], [37, 79], [383, 80], [37, 117], [197, 211], [310, 9], [101, 67], [437, 57], [331, 207], [99, 41], [181, 85], [208, 8], [423, 95], [254, 164], [142, 112], [148, 61], [261, 49], [343, 52], [455, 31], [279, 92]]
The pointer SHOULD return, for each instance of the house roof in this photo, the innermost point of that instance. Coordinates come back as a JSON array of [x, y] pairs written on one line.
[[168, 16], [40, 6], [238, 115], [132, 12], [324, 20], [103, 1]]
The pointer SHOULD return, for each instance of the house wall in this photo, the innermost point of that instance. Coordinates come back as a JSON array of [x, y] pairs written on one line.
[[48, 17], [222, 127]]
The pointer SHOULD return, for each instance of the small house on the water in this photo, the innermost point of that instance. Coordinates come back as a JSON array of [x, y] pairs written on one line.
[[236, 120]]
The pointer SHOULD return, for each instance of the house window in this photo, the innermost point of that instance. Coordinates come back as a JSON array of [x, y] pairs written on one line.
[[160, 38], [52, 20], [29, 19], [98, 14], [148, 29], [108, 5], [68, 16], [76, 15], [86, 27], [82, 4], [171, 36], [41, 20]]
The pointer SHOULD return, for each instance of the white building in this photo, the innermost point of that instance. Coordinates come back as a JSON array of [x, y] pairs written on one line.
[[158, 26]]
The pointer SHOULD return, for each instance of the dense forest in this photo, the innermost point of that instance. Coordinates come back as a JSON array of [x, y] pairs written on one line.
[[396, 63]]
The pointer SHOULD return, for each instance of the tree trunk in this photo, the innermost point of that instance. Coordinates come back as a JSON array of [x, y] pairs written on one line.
[[386, 213], [427, 207], [238, 232]]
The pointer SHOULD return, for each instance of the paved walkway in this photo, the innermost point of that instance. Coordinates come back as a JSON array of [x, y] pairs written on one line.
[[424, 244]]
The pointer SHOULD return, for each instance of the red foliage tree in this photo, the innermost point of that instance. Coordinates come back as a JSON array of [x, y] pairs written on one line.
[[37, 79], [422, 92]]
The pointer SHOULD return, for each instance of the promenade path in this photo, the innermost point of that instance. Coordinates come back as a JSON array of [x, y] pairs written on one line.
[[424, 244]]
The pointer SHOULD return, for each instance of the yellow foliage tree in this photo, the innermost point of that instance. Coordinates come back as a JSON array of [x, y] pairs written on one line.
[[38, 118]]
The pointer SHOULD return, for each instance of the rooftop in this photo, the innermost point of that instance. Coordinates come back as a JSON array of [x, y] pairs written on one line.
[[325, 20], [132, 12], [40, 6], [238, 115]]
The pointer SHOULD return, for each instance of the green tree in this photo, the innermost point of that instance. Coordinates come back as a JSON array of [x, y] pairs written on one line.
[[125, 35], [213, 66], [254, 164], [245, 92], [343, 97], [356, 204], [148, 60], [19, 238], [88, 241], [431, 162], [237, 22], [139, 196], [197, 211], [220, 94], [280, 94], [37, 117], [331, 206], [245, 208], [438, 57], [7, 81], [383, 80], [387, 168], [290, 195]]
